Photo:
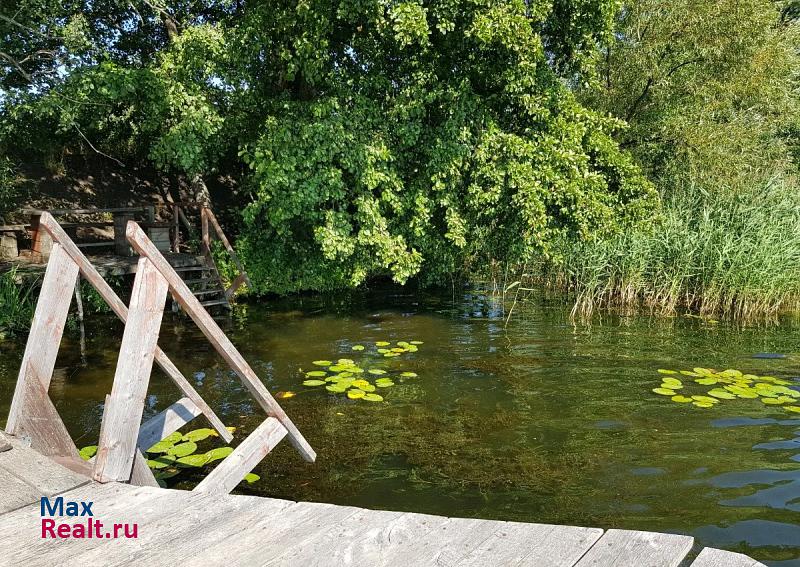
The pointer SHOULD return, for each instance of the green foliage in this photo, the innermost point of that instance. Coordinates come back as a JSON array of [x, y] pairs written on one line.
[[733, 253], [377, 139], [17, 303], [9, 188]]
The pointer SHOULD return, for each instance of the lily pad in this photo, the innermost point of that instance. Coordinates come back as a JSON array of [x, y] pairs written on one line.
[[346, 361], [387, 384], [174, 437], [218, 453], [192, 460], [336, 388], [357, 347], [664, 391], [355, 394], [372, 398], [722, 394], [183, 449], [671, 386], [409, 374], [250, 478], [383, 350], [681, 399], [161, 447], [284, 395], [795, 409], [416, 342], [322, 362], [706, 381], [703, 404], [705, 399], [198, 434], [771, 401], [161, 462], [313, 382], [376, 371], [664, 371], [382, 343], [87, 453], [316, 373]]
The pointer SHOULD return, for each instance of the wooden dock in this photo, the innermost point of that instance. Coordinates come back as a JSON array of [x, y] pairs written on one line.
[[176, 527]]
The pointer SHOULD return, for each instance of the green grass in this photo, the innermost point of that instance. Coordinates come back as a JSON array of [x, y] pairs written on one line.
[[17, 303], [734, 253]]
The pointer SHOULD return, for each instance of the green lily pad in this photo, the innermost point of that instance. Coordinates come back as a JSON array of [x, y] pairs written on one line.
[[313, 382], [703, 404], [316, 373], [383, 350], [161, 447], [795, 409], [250, 478], [162, 474], [665, 371], [218, 453], [681, 399], [721, 394], [706, 381], [372, 398], [355, 394], [391, 354], [192, 460], [382, 343], [346, 361], [771, 401], [336, 388], [408, 374], [705, 399], [664, 391], [174, 437], [357, 347], [183, 449], [671, 386], [198, 434], [87, 453], [376, 371], [416, 342], [387, 384], [161, 462], [322, 362]]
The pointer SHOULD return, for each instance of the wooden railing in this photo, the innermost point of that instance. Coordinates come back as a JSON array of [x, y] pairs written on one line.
[[122, 438]]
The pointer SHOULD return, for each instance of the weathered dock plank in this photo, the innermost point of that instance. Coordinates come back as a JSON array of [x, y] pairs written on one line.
[[197, 529], [643, 549], [711, 557]]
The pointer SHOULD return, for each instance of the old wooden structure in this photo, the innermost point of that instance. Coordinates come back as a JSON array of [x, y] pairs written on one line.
[[169, 228], [122, 438]]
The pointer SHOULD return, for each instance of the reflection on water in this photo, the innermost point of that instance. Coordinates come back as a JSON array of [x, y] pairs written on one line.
[[542, 421]]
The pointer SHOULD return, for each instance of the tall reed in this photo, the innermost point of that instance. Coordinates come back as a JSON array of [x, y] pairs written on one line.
[[731, 253]]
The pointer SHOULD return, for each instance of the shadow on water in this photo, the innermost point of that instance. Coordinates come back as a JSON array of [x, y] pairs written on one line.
[[543, 421]]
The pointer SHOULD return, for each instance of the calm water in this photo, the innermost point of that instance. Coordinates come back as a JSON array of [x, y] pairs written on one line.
[[544, 421]]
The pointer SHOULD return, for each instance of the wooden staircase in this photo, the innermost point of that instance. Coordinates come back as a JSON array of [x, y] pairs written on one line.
[[205, 284]]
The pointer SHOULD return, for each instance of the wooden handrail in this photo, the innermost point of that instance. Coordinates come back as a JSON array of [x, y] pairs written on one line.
[[121, 310], [191, 305]]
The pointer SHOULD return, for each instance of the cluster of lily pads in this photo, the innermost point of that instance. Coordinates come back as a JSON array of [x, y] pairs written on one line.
[[344, 376], [729, 385], [177, 452]]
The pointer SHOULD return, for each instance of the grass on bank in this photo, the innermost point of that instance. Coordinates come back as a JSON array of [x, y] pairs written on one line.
[[734, 253]]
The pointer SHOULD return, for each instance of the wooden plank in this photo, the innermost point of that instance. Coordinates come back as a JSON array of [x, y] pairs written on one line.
[[368, 537], [539, 545], [267, 536], [644, 549], [122, 415], [40, 472], [15, 493], [711, 557], [30, 401], [121, 310], [244, 458], [218, 339], [141, 475], [236, 284], [167, 422], [228, 247]]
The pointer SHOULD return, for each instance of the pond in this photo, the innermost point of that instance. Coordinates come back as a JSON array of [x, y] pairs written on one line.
[[541, 421]]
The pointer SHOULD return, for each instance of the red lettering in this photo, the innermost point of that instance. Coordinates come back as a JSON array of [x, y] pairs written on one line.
[[97, 526], [64, 530], [117, 527], [134, 531], [47, 526]]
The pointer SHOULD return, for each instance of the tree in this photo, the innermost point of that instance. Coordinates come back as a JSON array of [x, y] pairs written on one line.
[[381, 138]]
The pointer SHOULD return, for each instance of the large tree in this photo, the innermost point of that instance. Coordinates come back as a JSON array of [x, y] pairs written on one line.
[[379, 137]]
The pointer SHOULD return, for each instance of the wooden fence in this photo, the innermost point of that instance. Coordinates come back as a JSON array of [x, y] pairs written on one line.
[[123, 437]]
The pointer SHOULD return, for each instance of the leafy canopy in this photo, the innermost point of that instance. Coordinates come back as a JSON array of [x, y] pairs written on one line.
[[376, 138]]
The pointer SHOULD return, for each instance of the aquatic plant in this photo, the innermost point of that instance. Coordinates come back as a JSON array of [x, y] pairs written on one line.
[[344, 376], [728, 384], [178, 451]]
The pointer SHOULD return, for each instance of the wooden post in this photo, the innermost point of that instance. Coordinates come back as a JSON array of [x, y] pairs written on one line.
[[42, 243], [247, 455], [176, 229], [122, 416], [121, 246], [229, 248], [218, 339], [32, 413], [120, 309]]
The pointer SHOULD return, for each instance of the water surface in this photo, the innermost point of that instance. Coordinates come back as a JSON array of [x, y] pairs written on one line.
[[543, 421]]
